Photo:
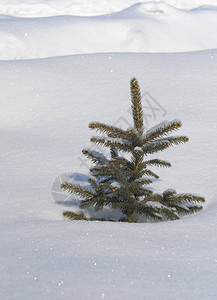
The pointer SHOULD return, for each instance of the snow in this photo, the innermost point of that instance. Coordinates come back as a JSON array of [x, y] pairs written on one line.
[[37, 8], [154, 204], [115, 185], [142, 27], [46, 106], [98, 155], [138, 149], [161, 126], [112, 140]]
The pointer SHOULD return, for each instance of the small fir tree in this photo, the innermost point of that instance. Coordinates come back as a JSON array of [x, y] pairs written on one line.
[[122, 183]]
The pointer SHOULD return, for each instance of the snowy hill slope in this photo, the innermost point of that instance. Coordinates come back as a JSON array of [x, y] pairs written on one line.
[[46, 106], [39, 8], [143, 27]]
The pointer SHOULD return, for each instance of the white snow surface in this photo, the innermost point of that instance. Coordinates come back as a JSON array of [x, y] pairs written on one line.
[[39, 8], [46, 105], [142, 27]]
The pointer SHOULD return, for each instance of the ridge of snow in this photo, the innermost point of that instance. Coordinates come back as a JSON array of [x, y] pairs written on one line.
[[39, 8], [143, 27]]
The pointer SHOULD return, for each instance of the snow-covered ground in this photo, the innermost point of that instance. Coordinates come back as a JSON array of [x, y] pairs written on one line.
[[37, 8], [142, 27], [46, 105]]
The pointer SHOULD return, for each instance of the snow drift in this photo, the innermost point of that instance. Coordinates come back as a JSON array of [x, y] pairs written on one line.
[[143, 27], [39, 8]]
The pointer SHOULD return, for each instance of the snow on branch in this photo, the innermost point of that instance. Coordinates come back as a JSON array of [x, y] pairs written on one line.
[[161, 129]]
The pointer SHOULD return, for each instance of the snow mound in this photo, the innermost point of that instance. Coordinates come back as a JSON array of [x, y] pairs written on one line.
[[143, 27], [39, 8], [152, 8]]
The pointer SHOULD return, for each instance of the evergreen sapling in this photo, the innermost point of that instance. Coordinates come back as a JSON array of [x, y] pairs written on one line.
[[121, 182]]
